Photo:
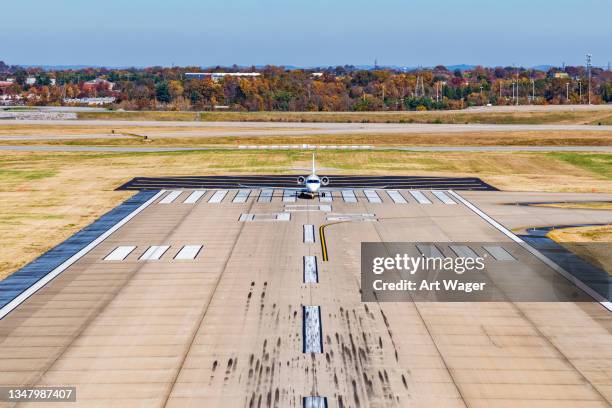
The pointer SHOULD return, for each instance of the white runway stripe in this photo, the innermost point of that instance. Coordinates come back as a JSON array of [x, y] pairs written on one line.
[[218, 196], [311, 274], [499, 253], [372, 196], [188, 252], [430, 251], [315, 402], [120, 253], [309, 234], [154, 252], [443, 197], [284, 216], [265, 196], [242, 196], [463, 251], [289, 196], [396, 197], [313, 340], [194, 197], [170, 197], [420, 197], [349, 196]]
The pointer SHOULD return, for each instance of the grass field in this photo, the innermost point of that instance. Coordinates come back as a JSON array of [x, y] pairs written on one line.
[[542, 117], [185, 137], [46, 197], [595, 205], [73, 128], [590, 243]]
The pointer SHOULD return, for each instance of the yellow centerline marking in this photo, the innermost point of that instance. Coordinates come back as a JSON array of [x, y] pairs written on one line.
[[323, 241]]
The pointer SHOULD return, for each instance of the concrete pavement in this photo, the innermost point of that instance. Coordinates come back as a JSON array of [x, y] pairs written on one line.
[[225, 329]]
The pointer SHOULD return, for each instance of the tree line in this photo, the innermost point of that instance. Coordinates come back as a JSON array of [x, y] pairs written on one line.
[[343, 88]]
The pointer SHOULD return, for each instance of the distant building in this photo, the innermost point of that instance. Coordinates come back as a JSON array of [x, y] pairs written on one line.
[[52, 81], [562, 75], [216, 76], [95, 83], [5, 84], [317, 74], [30, 80], [90, 101]]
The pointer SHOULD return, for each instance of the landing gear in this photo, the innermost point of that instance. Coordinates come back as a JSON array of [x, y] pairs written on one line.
[[307, 195]]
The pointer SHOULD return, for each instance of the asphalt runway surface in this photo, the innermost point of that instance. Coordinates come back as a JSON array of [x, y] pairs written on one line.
[[204, 299], [279, 181]]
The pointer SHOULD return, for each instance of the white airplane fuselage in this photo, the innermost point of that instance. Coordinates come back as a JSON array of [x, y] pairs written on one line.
[[312, 184]]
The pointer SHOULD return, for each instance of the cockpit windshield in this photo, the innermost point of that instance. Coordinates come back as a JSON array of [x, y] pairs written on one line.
[[312, 181]]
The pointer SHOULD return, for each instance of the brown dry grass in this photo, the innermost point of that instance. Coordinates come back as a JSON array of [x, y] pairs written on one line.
[[551, 117], [46, 197], [595, 205], [590, 243], [166, 138], [73, 128]]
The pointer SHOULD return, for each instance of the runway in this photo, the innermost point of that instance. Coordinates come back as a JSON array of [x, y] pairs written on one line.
[[246, 314]]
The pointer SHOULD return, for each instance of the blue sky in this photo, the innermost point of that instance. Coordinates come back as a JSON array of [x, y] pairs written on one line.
[[317, 32]]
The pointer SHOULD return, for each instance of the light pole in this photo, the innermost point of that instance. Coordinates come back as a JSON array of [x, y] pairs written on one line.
[[517, 86], [567, 92], [580, 92], [533, 90], [588, 62]]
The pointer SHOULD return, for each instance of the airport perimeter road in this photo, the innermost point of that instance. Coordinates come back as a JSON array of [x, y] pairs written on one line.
[[248, 321]]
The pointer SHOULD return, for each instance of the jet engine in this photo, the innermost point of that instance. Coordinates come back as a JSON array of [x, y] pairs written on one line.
[[301, 180], [324, 180]]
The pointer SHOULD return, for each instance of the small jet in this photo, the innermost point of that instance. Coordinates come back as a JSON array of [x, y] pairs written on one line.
[[309, 186]]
